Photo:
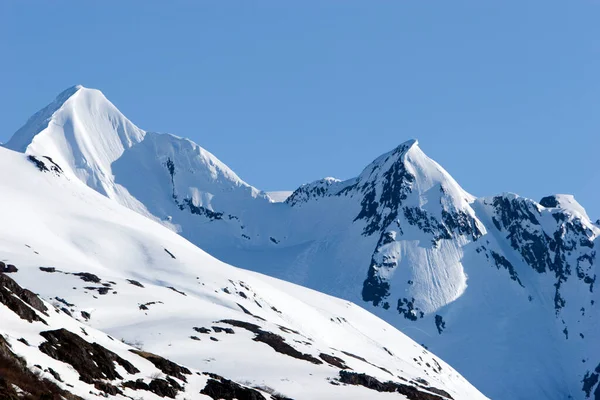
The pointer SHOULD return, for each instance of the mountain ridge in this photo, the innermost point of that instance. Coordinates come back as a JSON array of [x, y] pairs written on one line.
[[128, 308], [406, 241]]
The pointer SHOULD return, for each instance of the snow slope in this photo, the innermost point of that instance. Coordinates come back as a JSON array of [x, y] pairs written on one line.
[[504, 281], [142, 283]]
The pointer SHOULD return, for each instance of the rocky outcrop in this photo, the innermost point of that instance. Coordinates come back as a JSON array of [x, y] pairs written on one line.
[[219, 388], [45, 164], [21, 301], [548, 246], [92, 361], [411, 392], [590, 381], [273, 340], [166, 366], [314, 190], [17, 382]]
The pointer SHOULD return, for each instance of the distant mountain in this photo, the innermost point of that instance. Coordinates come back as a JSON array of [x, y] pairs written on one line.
[[279, 196], [500, 287]]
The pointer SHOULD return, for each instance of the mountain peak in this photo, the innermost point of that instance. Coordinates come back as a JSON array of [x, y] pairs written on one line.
[[399, 152], [82, 131], [40, 120], [407, 159], [66, 104], [409, 144], [92, 141], [67, 93], [70, 92]]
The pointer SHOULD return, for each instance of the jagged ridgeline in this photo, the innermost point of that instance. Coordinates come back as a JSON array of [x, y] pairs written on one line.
[[485, 283]]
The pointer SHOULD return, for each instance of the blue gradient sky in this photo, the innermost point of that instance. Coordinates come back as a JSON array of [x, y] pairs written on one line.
[[504, 94]]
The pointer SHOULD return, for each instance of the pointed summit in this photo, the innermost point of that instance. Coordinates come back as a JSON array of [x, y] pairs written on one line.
[[65, 94], [92, 141], [407, 168], [39, 121], [82, 131]]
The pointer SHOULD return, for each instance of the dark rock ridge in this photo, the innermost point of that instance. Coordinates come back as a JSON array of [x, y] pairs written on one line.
[[406, 307], [333, 360], [546, 248], [45, 164], [135, 283], [502, 262], [394, 186], [199, 210], [161, 387], [549, 202], [312, 190], [21, 301], [589, 381], [375, 288], [440, 324], [166, 366], [91, 360], [219, 388], [14, 375], [8, 268], [273, 340], [411, 392], [87, 277], [187, 203]]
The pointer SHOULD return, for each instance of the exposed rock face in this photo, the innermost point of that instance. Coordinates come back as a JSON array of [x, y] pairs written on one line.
[[164, 387], [384, 189], [166, 366], [87, 277], [8, 268], [219, 388], [312, 190], [21, 301], [273, 340], [92, 361], [549, 202], [590, 380], [411, 392], [16, 379], [135, 283], [46, 164], [554, 241], [333, 360]]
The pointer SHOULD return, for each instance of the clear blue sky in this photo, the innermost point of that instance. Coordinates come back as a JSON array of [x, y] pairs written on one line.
[[504, 94]]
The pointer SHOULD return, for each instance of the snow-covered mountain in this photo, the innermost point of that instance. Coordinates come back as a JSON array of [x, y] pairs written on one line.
[[129, 309], [501, 287]]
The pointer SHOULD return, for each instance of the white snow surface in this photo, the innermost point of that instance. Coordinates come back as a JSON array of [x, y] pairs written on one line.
[[50, 219], [501, 287]]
